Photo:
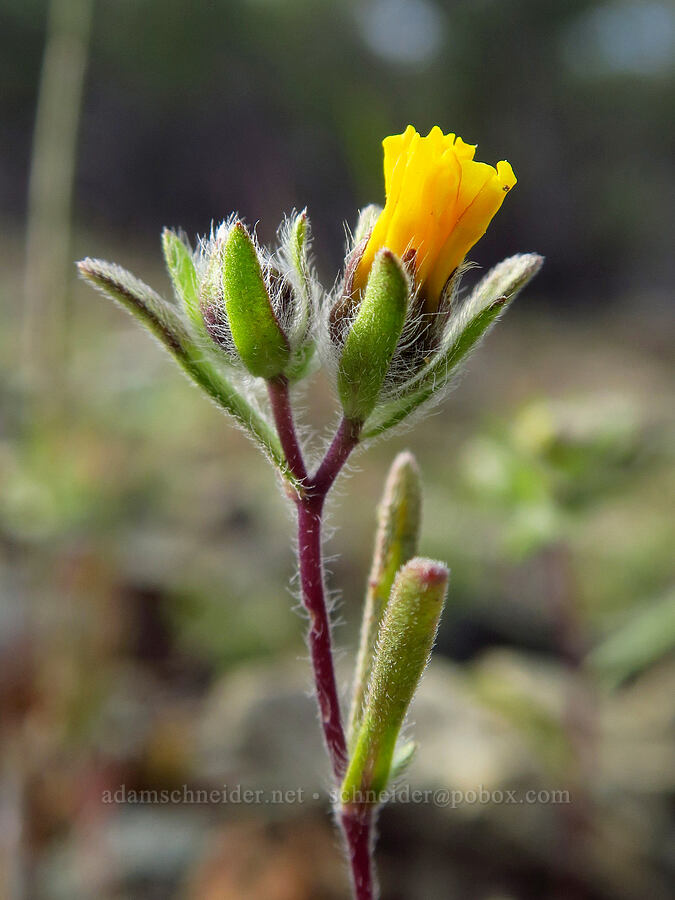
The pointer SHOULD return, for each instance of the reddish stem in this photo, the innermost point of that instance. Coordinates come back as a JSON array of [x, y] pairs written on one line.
[[280, 401], [346, 438], [319, 636], [357, 828], [356, 825], [310, 555]]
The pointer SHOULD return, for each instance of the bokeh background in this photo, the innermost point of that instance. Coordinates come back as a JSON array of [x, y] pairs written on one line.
[[147, 636]]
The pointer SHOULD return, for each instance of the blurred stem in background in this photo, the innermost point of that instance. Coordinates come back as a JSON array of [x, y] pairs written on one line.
[[50, 193], [47, 275]]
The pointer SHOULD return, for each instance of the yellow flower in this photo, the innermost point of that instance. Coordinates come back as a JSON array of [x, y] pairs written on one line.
[[439, 203]]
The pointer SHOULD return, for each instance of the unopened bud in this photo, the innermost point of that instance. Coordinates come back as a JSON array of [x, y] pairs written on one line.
[[373, 337], [257, 335], [406, 636], [398, 526]]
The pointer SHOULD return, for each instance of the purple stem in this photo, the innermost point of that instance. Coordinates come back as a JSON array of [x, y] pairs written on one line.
[[346, 438], [356, 826], [319, 636], [280, 402]]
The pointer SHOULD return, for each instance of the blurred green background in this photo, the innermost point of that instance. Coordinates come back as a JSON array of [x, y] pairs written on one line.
[[147, 634]]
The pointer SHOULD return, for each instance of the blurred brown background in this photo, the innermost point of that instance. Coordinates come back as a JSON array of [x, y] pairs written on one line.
[[147, 635]]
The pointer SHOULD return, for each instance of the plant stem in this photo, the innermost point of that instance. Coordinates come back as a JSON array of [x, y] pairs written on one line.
[[357, 828], [346, 438], [280, 402], [319, 636], [50, 197], [355, 822]]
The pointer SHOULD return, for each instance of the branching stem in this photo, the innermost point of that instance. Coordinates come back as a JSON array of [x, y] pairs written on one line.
[[280, 401], [310, 502]]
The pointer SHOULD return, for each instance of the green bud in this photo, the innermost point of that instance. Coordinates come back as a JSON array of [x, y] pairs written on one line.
[[181, 268], [396, 541], [463, 333], [406, 636], [257, 335], [373, 337]]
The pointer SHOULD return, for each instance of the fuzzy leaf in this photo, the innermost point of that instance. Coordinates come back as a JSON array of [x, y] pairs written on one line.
[[366, 222], [165, 322], [297, 244], [181, 268], [403, 756], [506, 279], [295, 251], [162, 318], [434, 377], [302, 362], [464, 331]]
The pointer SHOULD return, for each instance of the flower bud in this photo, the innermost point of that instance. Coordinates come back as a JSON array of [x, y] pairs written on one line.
[[440, 201], [398, 526], [373, 337], [257, 335], [406, 636]]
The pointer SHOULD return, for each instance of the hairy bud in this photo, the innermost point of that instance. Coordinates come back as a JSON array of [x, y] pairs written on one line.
[[373, 337], [405, 639]]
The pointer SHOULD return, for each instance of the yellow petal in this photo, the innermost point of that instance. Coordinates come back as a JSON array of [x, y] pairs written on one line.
[[471, 225], [439, 202]]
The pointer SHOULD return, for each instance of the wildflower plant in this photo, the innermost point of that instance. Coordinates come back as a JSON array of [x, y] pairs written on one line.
[[248, 325]]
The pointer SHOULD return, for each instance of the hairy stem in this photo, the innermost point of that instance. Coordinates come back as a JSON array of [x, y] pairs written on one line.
[[346, 438], [280, 402], [357, 828], [319, 636], [356, 824]]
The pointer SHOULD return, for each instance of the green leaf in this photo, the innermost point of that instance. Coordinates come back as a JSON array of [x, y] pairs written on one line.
[[181, 268], [465, 329], [399, 516], [162, 318], [257, 335], [302, 362], [297, 244], [434, 376], [368, 216], [403, 756], [406, 636], [165, 322], [641, 642], [299, 337], [373, 337], [506, 279]]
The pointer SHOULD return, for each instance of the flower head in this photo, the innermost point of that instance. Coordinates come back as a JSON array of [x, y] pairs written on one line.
[[439, 202]]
